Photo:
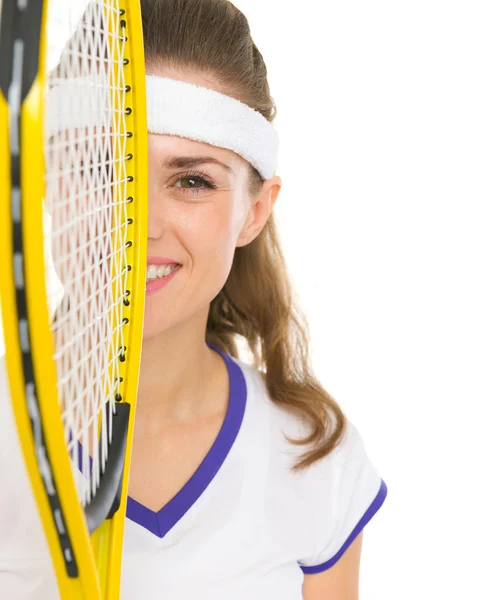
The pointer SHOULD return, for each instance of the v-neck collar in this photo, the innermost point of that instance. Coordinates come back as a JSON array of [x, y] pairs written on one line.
[[161, 522]]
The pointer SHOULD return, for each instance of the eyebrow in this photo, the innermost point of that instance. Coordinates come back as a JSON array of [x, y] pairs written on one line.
[[185, 162]]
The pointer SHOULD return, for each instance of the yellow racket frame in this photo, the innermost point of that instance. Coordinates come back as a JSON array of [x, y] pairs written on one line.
[[98, 558]]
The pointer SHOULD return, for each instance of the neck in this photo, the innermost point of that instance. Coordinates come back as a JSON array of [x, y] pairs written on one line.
[[179, 375]]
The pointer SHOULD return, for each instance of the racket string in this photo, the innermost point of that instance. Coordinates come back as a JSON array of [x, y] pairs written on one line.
[[86, 197]]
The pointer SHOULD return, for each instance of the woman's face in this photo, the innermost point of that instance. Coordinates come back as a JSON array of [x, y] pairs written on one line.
[[197, 208], [199, 211]]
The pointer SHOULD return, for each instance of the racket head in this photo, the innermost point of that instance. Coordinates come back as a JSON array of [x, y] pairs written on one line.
[[39, 160]]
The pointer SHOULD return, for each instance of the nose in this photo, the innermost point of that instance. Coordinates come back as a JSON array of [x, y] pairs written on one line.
[[156, 217]]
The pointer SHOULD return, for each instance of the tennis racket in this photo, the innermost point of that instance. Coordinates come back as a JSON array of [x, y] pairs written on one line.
[[73, 231]]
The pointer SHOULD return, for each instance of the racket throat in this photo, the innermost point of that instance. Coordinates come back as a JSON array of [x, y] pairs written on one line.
[[107, 499]]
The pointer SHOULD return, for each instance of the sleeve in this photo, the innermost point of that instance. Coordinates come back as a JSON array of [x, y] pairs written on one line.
[[26, 569], [357, 493]]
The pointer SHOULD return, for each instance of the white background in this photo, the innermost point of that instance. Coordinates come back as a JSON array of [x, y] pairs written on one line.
[[382, 116]]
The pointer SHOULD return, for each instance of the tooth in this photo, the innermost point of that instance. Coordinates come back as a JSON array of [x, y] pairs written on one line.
[[161, 271], [152, 272]]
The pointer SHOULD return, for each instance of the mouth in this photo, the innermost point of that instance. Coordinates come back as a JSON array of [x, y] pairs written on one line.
[[155, 272], [153, 285]]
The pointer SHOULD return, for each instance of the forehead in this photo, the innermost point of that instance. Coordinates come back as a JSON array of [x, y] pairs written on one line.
[[80, 144], [162, 146]]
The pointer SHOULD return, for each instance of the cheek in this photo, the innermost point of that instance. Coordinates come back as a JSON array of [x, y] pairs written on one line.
[[80, 239], [205, 234], [215, 235]]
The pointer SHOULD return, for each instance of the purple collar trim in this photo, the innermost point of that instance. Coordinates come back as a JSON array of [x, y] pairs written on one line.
[[159, 523]]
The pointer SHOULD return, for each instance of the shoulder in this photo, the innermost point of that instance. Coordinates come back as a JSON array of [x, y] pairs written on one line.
[[330, 501], [285, 423]]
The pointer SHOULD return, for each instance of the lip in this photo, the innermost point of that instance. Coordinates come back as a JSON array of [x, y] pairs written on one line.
[[161, 260], [154, 286]]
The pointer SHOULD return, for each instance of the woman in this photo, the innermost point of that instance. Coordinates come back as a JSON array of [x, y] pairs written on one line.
[[222, 504]]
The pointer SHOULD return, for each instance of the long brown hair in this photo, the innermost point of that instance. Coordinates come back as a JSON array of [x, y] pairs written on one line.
[[257, 301]]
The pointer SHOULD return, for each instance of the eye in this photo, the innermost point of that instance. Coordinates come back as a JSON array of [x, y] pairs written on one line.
[[92, 170], [194, 182], [97, 168]]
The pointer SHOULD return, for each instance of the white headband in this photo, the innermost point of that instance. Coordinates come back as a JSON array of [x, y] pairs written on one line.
[[176, 108], [199, 113]]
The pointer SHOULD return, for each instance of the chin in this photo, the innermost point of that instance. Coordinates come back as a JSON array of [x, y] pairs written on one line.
[[155, 321]]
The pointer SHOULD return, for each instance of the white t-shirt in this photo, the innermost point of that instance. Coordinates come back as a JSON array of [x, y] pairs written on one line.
[[245, 526]]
